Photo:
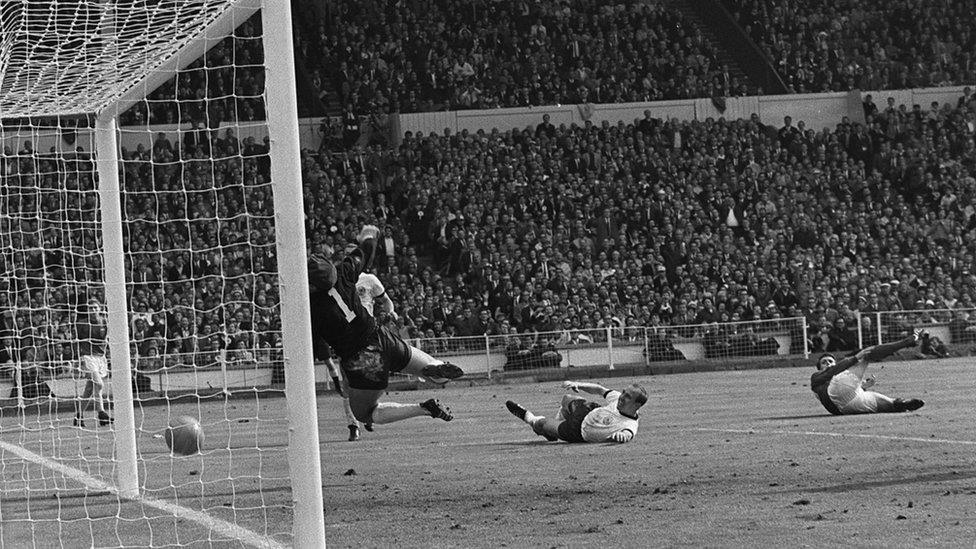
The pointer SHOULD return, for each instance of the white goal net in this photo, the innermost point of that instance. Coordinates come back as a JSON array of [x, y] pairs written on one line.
[[140, 252]]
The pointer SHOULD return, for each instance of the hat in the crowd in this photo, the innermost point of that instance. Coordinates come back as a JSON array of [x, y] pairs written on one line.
[[350, 248], [693, 303], [930, 302], [895, 283], [884, 284], [661, 268]]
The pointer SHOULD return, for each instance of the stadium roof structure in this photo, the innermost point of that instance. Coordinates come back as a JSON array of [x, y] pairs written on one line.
[[80, 57]]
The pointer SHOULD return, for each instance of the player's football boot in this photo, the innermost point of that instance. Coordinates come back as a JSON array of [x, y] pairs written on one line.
[[368, 426], [353, 433], [441, 373], [105, 419], [909, 405], [437, 410], [79, 421], [515, 409]]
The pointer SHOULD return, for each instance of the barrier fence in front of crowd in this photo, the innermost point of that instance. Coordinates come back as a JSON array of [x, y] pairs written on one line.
[[953, 332], [614, 346]]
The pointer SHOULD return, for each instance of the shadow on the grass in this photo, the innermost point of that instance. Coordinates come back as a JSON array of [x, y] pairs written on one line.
[[854, 486], [786, 418]]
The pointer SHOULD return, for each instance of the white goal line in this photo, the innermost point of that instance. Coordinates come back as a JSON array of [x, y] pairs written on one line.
[[219, 526], [839, 435]]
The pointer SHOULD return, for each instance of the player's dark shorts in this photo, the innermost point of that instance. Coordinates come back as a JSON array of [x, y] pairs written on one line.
[[571, 430], [370, 369]]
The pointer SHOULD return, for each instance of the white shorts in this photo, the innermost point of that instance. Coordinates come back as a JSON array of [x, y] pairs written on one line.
[[95, 365], [865, 402]]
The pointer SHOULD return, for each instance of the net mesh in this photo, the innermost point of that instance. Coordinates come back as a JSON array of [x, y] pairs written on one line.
[[78, 56], [201, 281]]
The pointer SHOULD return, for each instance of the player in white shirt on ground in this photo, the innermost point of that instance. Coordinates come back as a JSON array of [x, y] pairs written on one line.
[[374, 298], [582, 420]]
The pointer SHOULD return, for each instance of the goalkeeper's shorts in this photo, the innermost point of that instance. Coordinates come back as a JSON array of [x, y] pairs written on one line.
[[370, 368]]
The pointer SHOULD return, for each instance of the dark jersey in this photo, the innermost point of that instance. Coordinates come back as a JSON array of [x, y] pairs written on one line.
[[92, 333], [820, 381], [338, 316]]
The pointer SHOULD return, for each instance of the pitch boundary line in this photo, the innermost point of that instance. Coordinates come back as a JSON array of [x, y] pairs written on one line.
[[839, 435], [222, 527]]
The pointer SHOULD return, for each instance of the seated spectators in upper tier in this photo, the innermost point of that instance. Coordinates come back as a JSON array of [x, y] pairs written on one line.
[[865, 44]]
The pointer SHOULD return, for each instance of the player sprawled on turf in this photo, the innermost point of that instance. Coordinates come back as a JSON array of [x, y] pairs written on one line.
[[583, 420], [840, 385], [368, 353], [92, 330]]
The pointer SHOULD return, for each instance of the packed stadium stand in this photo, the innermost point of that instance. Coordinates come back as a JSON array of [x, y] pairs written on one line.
[[641, 223]]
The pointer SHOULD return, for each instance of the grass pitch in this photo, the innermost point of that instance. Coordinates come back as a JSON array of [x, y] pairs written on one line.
[[730, 459]]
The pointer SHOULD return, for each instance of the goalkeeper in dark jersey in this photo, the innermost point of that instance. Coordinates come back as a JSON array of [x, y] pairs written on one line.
[[841, 387], [367, 352]]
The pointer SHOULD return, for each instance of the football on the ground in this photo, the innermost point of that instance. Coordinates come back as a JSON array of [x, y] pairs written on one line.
[[184, 436]]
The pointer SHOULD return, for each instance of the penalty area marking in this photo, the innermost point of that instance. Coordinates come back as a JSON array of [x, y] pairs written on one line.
[[219, 526], [839, 435]]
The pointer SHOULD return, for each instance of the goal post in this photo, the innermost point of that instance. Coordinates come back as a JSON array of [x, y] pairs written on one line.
[[126, 187], [286, 176]]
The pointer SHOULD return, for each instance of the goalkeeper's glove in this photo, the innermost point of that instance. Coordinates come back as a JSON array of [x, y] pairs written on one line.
[[622, 436], [571, 385], [367, 232], [338, 385]]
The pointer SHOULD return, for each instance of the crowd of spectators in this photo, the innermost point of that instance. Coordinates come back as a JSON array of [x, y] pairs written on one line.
[[225, 84], [428, 55], [668, 222], [566, 230], [842, 45]]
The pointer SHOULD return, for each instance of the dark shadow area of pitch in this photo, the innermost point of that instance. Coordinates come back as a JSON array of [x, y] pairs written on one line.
[[788, 418], [854, 486]]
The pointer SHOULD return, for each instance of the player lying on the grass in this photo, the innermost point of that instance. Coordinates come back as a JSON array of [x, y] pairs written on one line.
[[840, 385], [582, 420], [367, 352], [375, 300]]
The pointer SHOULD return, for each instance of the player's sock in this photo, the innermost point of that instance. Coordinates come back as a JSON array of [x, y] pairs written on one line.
[[388, 412], [522, 413], [353, 433]]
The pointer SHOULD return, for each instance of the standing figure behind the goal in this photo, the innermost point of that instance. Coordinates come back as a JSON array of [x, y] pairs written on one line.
[[93, 365]]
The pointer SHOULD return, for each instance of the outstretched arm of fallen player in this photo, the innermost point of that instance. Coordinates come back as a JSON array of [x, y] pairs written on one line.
[[591, 388]]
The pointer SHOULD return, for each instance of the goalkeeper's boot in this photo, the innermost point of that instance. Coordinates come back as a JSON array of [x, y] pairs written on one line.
[[437, 410], [368, 426], [441, 373], [105, 419], [353, 433]]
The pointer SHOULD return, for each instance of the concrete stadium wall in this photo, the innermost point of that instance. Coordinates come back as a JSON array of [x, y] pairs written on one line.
[[817, 111]]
